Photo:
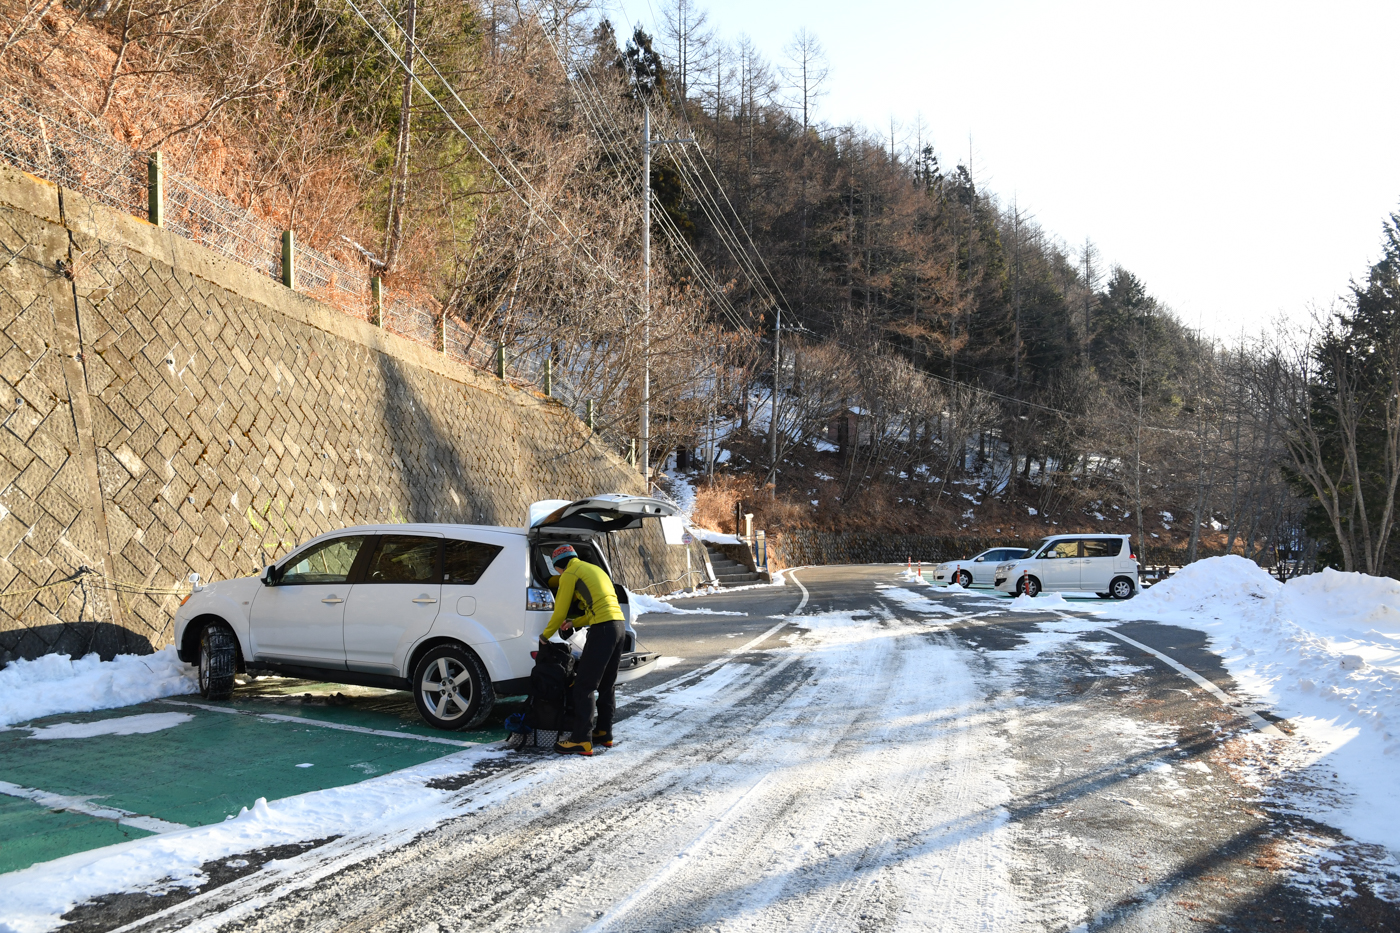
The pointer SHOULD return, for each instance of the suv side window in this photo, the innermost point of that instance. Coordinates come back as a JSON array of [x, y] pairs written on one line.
[[1103, 547], [404, 559], [327, 562], [463, 562], [1064, 549]]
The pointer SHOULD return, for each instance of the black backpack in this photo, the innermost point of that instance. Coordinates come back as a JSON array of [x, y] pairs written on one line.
[[550, 680]]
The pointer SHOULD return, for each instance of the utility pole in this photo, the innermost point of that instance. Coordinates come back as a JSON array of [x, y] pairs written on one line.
[[647, 142], [773, 416]]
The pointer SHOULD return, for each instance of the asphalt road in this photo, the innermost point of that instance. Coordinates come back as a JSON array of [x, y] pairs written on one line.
[[1130, 799]]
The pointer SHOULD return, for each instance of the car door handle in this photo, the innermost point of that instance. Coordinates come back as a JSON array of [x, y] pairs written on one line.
[[424, 599], [332, 599]]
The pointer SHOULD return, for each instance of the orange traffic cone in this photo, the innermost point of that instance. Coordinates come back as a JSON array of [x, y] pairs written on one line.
[[1026, 582]]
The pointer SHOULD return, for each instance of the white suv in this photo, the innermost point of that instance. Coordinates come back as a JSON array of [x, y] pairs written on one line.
[[450, 612], [1101, 564]]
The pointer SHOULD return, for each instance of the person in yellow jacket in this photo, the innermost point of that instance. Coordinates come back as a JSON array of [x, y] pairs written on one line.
[[589, 584]]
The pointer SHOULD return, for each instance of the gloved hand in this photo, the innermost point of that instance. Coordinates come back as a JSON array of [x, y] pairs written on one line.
[[566, 629]]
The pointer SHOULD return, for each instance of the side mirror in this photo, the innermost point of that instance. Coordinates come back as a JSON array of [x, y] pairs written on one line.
[[268, 577], [981, 559]]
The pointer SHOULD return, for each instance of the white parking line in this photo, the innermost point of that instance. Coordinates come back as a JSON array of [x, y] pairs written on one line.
[[80, 805], [1259, 722], [303, 721]]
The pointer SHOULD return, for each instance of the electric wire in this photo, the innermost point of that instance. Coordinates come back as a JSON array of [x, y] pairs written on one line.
[[612, 133]]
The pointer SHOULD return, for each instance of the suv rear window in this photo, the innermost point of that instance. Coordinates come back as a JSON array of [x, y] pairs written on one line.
[[1103, 547], [463, 562]]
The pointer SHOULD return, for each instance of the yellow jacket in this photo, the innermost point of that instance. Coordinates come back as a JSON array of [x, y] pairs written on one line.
[[592, 586]]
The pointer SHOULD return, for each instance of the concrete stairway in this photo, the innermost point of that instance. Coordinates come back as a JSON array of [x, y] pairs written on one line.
[[730, 572]]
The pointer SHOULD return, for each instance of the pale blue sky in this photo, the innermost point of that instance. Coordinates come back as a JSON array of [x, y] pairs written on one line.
[[1240, 157]]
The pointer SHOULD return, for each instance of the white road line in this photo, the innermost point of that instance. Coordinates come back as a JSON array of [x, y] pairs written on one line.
[[81, 805], [303, 721], [719, 662], [1259, 722], [793, 576]]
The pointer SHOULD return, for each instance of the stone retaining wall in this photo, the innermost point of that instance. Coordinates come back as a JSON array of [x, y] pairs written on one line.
[[164, 410]]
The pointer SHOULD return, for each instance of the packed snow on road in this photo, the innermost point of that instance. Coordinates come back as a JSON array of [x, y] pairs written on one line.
[[870, 767]]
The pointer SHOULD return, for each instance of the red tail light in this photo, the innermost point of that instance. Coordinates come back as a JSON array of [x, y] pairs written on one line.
[[1132, 556]]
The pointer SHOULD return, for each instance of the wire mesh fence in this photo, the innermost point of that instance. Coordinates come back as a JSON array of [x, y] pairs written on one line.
[[103, 169]]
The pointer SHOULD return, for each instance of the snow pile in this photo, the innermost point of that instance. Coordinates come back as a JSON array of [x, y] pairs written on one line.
[[1323, 651], [55, 683], [1042, 603], [641, 602], [714, 537], [1216, 585]]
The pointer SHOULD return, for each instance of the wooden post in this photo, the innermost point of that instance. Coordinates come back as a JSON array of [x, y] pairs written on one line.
[[588, 413], [289, 259], [155, 190], [444, 333], [501, 361], [548, 377], [376, 291]]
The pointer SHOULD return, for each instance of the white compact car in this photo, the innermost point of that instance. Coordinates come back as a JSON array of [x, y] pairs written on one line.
[[450, 612], [1101, 564], [976, 571]]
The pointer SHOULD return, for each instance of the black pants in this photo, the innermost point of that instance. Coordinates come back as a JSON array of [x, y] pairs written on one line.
[[597, 670]]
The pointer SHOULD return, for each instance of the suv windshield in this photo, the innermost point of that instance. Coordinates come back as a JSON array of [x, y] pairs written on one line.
[[1039, 546]]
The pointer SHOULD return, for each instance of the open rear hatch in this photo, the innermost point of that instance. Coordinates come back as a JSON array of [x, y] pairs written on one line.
[[596, 515], [601, 515]]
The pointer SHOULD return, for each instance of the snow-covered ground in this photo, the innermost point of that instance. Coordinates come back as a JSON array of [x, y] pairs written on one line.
[[847, 767], [1322, 651], [855, 762]]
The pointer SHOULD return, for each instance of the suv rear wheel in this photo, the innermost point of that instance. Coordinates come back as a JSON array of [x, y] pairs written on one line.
[[451, 688], [1120, 588], [218, 661]]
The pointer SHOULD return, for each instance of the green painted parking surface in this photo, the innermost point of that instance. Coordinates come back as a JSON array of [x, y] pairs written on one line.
[[271, 740], [31, 832]]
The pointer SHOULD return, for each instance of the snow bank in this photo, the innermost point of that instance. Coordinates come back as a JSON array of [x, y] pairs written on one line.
[[644, 603], [55, 683], [1322, 651]]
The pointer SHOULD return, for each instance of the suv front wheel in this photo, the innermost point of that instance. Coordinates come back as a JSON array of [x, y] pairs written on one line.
[[218, 661], [451, 688]]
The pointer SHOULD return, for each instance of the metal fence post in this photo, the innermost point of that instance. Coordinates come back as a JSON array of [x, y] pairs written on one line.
[[588, 413], [376, 291], [501, 361], [548, 376], [155, 190], [289, 259]]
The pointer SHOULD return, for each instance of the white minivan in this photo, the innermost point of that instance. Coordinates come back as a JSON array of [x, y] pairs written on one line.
[[449, 612], [1100, 564]]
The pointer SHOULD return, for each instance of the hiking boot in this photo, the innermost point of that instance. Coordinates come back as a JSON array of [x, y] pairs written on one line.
[[566, 747], [603, 737]]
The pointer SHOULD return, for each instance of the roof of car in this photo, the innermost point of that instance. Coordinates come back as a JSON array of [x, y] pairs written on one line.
[[445, 528], [1089, 534]]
